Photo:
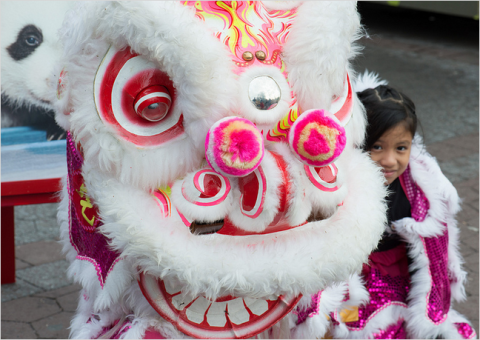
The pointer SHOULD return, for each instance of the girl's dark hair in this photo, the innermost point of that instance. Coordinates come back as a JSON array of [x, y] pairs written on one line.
[[386, 107]]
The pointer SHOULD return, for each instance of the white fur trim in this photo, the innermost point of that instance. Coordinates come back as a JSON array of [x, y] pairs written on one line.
[[318, 50], [368, 80], [306, 258], [203, 93]]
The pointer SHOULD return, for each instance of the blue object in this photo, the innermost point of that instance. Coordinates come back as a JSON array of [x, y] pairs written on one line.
[[22, 135], [34, 160]]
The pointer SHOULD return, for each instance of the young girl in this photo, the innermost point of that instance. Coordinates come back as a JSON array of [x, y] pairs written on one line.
[[407, 287]]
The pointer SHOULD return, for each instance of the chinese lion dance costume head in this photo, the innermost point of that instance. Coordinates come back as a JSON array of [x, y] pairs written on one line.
[[214, 177]]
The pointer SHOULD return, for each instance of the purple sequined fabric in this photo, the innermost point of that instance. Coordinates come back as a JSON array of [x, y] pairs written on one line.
[[415, 195], [90, 245], [465, 330], [384, 290], [311, 310], [436, 248], [395, 331], [439, 296]]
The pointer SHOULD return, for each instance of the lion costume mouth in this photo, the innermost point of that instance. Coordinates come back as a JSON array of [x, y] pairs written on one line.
[[226, 317]]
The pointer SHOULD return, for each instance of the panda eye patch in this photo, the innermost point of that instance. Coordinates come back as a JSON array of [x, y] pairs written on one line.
[[28, 39]]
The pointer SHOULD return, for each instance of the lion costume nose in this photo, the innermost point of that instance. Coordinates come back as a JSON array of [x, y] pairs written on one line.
[[317, 138], [234, 147]]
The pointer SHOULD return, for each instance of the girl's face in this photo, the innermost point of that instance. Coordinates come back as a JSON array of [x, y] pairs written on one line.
[[392, 151]]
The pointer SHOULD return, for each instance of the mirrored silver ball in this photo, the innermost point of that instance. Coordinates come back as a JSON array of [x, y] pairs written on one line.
[[264, 93]]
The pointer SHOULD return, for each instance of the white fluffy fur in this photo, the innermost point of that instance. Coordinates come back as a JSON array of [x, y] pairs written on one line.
[[318, 50], [202, 92], [32, 80], [367, 80], [306, 258], [119, 175]]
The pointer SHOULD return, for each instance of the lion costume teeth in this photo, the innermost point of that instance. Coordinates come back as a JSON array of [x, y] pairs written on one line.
[[171, 236]]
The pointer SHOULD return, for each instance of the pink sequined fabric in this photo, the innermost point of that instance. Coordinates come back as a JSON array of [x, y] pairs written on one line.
[[415, 195], [395, 331], [439, 296], [311, 310], [436, 248], [383, 290], [90, 246], [465, 330]]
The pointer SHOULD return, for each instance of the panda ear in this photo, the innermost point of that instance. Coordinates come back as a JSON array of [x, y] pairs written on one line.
[[319, 47]]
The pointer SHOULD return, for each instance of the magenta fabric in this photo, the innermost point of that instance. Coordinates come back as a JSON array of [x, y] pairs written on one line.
[[415, 195], [310, 311], [436, 249], [151, 333], [395, 331], [90, 246], [383, 288], [465, 330], [392, 262]]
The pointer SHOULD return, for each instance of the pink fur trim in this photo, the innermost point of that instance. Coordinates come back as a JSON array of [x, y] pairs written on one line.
[[317, 144], [243, 146]]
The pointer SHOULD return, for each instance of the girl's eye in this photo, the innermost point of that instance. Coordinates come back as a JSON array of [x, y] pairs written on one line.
[[376, 147], [402, 148]]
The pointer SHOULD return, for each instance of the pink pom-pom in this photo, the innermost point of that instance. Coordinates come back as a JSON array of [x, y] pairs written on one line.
[[234, 147], [317, 138]]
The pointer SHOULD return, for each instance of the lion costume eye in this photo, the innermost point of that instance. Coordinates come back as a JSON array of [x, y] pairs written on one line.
[[137, 99], [153, 103]]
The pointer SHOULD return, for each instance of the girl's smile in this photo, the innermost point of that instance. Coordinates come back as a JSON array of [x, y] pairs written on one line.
[[392, 151]]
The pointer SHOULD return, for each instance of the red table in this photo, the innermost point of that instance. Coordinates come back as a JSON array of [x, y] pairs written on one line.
[[21, 193]]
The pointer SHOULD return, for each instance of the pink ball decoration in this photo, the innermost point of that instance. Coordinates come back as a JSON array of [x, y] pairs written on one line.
[[317, 138], [234, 147]]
